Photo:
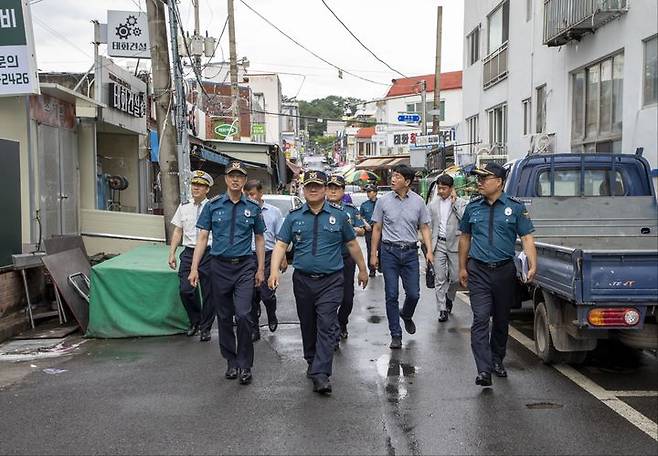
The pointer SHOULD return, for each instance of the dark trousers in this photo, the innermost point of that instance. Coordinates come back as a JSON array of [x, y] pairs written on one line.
[[399, 263], [204, 316], [346, 306], [492, 292], [317, 302], [368, 237], [233, 289], [263, 293]]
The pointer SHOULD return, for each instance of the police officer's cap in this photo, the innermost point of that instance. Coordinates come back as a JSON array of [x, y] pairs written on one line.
[[236, 166], [202, 178], [371, 188], [490, 169], [336, 179], [315, 177]]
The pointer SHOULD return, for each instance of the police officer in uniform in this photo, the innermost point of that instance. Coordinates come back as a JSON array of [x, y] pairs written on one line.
[[318, 231], [335, 193], [490, 225], [366, 210], [201, 318], [233, 219]]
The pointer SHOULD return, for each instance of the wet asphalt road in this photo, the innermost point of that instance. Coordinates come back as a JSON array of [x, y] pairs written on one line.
[[168, 396]]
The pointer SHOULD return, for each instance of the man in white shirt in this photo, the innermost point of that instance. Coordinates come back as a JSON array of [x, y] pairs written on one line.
[[446, 212], [185, 218], [273, 221]]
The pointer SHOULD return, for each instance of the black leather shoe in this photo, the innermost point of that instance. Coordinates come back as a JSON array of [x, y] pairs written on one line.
[[499, 370], [205, 336], [409, 325], [449, 305], [343, 332], [308, 372], [231, 373], [192, 330], [443, 315], [483, 379], [272, 323], [321, 384], [396, 343], [255, 335], [245, 376]]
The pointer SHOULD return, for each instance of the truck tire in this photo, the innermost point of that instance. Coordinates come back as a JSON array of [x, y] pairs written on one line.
[[543, 341]]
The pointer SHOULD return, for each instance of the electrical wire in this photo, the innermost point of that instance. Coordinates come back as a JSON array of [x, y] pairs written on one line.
[[308, 50], [359, 41]]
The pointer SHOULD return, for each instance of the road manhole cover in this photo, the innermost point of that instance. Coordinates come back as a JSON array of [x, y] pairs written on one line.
[[543, 405]]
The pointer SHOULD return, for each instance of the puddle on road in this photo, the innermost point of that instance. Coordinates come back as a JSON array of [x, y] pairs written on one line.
[[543, 406], [374, 319], [397, 376]]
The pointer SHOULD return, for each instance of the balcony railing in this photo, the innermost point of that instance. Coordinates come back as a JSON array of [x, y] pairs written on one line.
[[566, 20], [494, 67]]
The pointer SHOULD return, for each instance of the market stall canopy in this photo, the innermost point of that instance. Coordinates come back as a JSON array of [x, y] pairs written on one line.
[[373, 164]]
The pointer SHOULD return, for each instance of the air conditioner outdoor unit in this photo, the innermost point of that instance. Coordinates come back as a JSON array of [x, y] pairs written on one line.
[[542, 143], [488, 154]]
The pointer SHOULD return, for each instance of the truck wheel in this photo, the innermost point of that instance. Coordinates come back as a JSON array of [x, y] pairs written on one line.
[[543, 341]]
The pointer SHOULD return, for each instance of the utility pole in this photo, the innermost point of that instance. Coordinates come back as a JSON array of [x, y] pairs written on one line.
[[197, 58], [182, 136], [235, 90], [436, 120], [163, 101], [423, 100]]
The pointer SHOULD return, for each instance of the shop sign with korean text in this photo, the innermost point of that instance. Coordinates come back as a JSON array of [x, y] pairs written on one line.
[[128, 34], [18, 68]]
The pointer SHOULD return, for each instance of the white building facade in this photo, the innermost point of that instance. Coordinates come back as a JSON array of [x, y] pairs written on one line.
[[557, 75]]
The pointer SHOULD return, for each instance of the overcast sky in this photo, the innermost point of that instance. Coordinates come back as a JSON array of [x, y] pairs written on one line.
[[402, 33]]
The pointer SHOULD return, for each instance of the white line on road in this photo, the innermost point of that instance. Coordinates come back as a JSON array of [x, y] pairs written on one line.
[[609, 398], [640, 421]]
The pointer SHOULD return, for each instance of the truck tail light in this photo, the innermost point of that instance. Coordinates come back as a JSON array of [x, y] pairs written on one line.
[[615, 316]]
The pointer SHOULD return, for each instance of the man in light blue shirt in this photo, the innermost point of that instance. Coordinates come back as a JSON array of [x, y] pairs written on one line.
[[273, 221]]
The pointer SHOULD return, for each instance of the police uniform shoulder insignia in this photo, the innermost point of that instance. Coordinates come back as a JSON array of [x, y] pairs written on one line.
[[336, 206], [515, 199], [252, 201], [475, 198], [215, 198], [295, 209], [350, 205]]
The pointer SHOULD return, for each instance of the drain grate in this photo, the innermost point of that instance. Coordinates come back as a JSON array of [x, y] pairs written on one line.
[[543, 405]]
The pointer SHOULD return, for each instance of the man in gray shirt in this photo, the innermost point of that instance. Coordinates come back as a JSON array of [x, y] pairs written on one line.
[[396, 220]]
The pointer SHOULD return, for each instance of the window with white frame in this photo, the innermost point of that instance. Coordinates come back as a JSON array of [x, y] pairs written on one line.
[[417, 108], [498, 27], [650, 73], [596, 120], [473, 45], [473, 132], [541, 109], [527, 116], [497, 117]]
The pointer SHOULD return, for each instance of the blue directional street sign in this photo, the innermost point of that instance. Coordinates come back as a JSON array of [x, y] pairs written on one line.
[[409, 118]]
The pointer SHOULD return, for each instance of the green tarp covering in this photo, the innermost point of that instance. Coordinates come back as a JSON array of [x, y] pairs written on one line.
[[135, 294]]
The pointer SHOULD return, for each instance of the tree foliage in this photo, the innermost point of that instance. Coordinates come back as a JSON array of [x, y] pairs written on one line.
[[332, 107]]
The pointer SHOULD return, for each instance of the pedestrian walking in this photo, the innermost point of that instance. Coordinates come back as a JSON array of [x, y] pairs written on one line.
[[273, 221], [490, 225], [366, 210], [233, 219], [200, 313], [446, 212], [397, 218], [335, 194], [317, 231]]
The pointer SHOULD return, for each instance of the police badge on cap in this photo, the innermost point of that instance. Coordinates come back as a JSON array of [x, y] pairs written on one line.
[[202, 178], [236, 166], [315, 177]]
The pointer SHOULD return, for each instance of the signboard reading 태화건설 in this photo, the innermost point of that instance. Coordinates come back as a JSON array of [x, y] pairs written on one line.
[[126, 100]]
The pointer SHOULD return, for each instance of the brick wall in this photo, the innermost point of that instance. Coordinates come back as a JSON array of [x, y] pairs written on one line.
[[12, 292]]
